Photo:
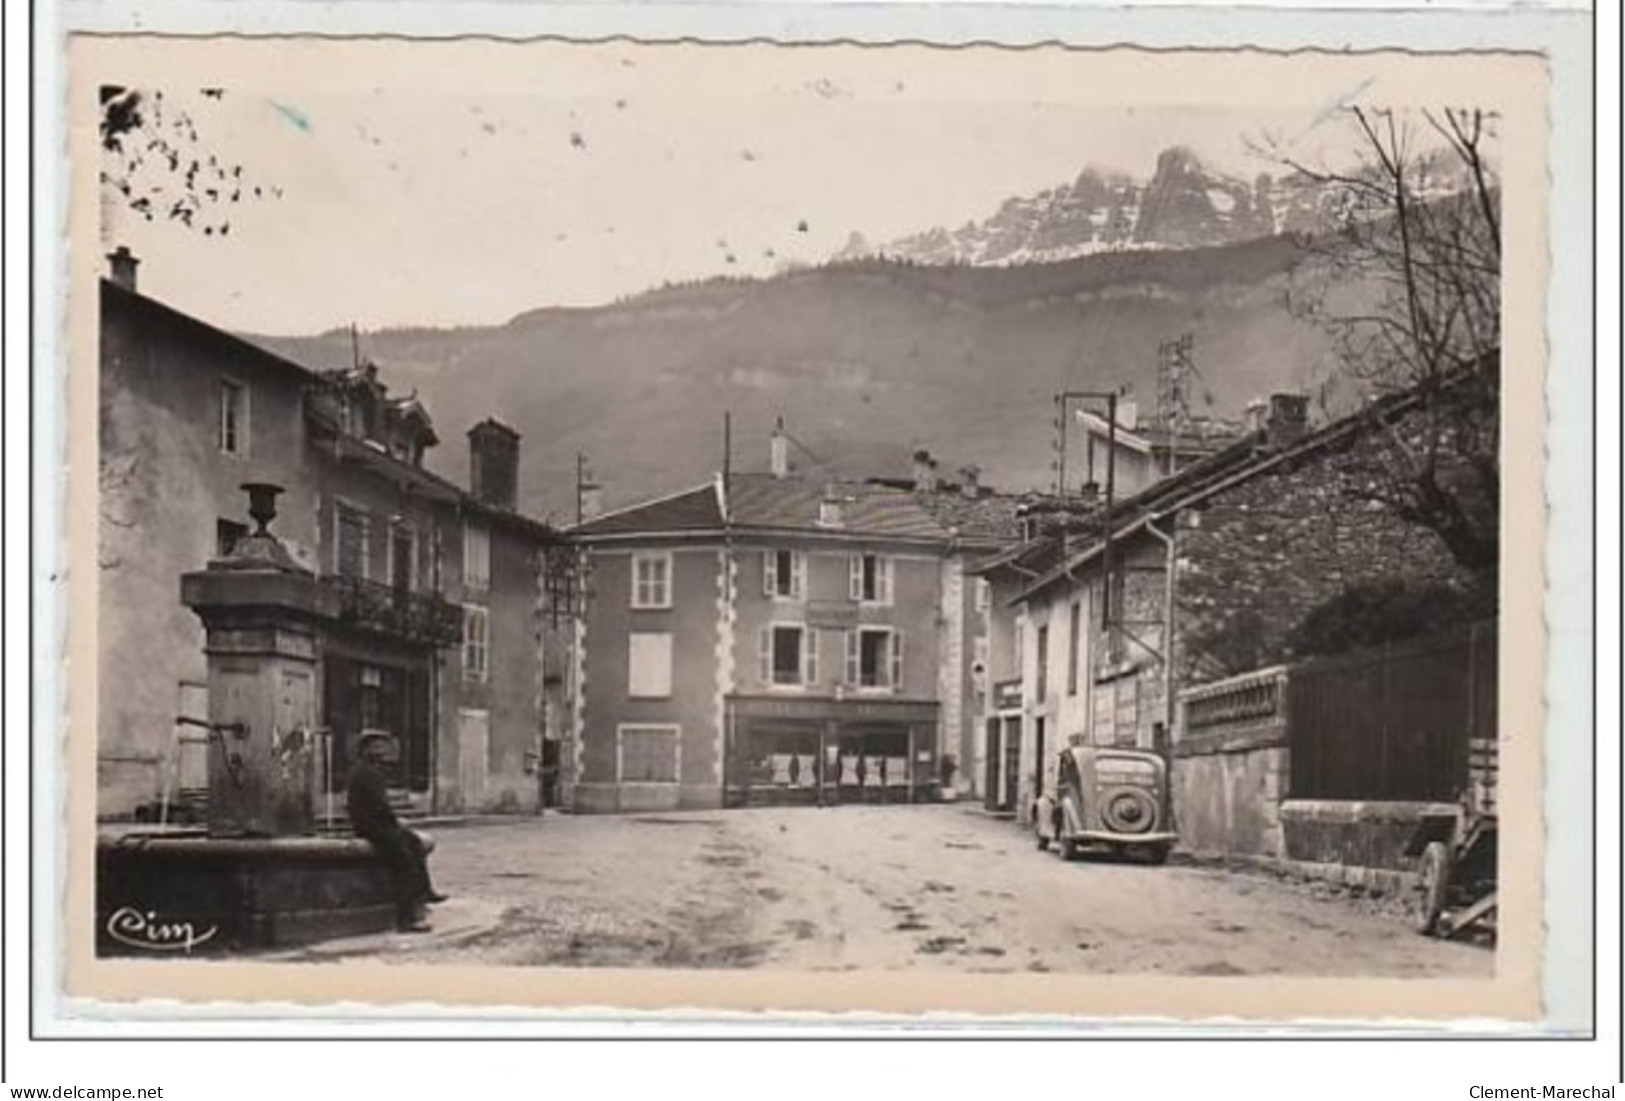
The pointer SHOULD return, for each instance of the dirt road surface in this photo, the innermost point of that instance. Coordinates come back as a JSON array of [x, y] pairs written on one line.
[[878, 888]]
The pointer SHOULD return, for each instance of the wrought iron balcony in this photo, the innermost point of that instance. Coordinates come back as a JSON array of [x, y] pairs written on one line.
[[422, 618]]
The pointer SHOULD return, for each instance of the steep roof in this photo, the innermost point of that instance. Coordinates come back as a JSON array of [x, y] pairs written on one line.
[[989, 518], [118, 298], [763, 501], [759, 503], [1247, 458]]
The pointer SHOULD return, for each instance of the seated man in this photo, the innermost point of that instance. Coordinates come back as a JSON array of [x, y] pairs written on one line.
[[372, 818]]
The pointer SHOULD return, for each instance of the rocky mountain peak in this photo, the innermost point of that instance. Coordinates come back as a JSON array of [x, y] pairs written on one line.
[[1183, 204]]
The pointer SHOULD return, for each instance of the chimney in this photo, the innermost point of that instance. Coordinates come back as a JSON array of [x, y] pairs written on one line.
[[829, 509], [121, 265], [592, 500], [925, 472], [970, 481], [778, 451], [1128, 415], [1288, 419], [493, 463]]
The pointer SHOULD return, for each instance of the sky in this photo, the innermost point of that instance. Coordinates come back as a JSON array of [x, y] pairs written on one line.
[[621, 167]]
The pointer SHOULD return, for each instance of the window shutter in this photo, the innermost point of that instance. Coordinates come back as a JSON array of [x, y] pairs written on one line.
[[851, 639], [798, 574], [897, 661], [770, 572], [855, 577], [764, 645], [883, 580], [809, 655]]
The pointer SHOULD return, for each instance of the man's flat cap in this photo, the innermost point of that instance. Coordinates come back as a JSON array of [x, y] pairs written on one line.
[[367, 737]]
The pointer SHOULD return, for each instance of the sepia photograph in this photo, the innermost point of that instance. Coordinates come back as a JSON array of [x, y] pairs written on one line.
[[1051, 524]]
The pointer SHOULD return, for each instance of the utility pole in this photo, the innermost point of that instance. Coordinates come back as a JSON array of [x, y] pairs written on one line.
[[727, 453], [355, 347], [581, 485]]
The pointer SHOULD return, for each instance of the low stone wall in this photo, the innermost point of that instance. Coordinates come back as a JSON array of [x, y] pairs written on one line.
[[1227, 789], [1359, 843], [1229, 772], [1230, 783]]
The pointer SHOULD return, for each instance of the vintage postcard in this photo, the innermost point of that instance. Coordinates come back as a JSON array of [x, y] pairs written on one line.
[[785, 527]]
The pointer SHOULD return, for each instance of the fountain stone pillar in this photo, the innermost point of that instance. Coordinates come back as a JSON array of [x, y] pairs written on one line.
[[258, 876], [262, 615]]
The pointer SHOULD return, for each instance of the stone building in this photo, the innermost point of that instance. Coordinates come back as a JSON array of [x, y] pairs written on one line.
[[441, 587], [775, 638], [1205, 574]]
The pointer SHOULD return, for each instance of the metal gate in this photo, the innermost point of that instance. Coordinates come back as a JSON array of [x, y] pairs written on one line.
[[1393, 723]]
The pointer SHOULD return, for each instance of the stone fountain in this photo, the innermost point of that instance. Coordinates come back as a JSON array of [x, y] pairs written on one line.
[[258, 875]]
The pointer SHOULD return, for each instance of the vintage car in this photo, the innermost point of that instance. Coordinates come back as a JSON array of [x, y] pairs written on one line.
[[1107, 798]]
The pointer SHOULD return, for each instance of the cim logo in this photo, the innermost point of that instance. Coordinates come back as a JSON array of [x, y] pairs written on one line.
[[145, 930]]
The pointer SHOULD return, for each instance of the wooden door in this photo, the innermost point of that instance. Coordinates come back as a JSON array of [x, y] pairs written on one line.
[[992, 758], [473, 755], [1012, 764]]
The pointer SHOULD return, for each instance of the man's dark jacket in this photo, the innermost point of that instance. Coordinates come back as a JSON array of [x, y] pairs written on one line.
[[367, 800]]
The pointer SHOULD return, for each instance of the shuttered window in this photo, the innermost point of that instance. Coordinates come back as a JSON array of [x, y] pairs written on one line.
[[350, 552], [874, 658], [870, 579], [784, 574], [476, 557], [649, 664], [476, 644], [788, 654]]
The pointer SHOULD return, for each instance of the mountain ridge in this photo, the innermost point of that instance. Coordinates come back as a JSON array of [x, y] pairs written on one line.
[[867, 358], [1182, 204]]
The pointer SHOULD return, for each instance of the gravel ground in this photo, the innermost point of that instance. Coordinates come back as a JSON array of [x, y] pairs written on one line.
[[878, 888]]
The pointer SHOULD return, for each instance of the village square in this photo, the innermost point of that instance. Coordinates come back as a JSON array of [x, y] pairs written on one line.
[[1056, 594]]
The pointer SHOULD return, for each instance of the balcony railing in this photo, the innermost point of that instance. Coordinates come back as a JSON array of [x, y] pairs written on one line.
[[1255, 697], [421, 618]]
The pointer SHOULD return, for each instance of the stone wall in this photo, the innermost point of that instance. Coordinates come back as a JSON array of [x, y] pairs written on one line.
[[164, 484], [1127, 678], [1257, 557], [1229, 771], [1230, 787], [1355, 842]]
